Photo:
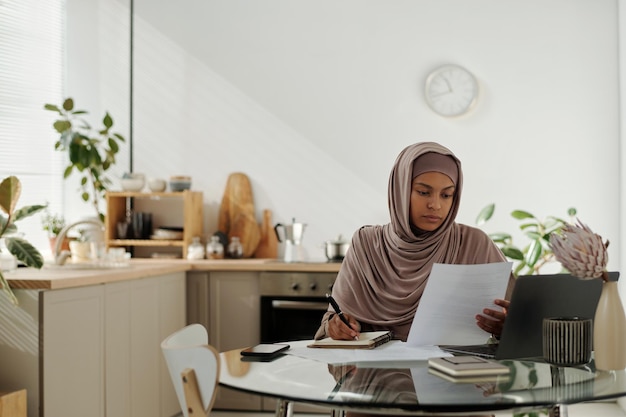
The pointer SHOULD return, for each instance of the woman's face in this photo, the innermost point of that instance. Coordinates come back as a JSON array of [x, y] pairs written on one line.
[[432, 195]]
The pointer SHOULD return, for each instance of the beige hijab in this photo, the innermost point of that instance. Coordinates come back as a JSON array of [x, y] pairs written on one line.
[[385, 271]]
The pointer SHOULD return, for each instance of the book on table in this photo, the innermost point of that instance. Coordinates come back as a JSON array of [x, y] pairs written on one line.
[[367, 340], [471, 379], [466, 366]]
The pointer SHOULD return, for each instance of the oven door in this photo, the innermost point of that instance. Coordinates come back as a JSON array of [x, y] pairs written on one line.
[[285, 318]]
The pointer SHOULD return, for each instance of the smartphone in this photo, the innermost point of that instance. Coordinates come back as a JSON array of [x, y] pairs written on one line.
[[265, 350]]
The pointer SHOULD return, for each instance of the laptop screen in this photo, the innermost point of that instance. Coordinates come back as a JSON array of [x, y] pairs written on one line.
[[536, 297]]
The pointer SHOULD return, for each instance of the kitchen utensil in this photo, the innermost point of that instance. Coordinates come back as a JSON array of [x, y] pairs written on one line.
[[157, 185], [122, 230], [133, 182], [180, 183], [237, 216], [142, 225], [268, 245], [336, 249], [292, 238], [168, 233]]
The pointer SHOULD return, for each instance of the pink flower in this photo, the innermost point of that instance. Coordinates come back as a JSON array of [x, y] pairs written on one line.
[[580, 251]]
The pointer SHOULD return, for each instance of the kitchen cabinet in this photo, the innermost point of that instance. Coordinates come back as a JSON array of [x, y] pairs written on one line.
[[181, 209], [93, 350], [228, 305]]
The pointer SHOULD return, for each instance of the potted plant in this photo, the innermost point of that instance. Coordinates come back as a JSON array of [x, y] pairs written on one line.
[[91, 151], [53, 224], [537, 252], [10, 190]]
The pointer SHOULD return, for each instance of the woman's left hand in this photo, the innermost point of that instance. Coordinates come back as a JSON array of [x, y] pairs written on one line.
[[492, 321]]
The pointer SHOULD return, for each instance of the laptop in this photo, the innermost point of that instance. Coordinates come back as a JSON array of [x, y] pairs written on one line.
[[534, 298]]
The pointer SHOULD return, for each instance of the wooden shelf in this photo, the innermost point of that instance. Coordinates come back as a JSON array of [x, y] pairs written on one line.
[[145, 242], [192, 217]]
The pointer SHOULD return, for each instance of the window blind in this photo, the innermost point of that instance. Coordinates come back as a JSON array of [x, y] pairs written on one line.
[[31, 74]]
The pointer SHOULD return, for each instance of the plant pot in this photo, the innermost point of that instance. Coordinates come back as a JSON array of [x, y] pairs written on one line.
[[64, 246]]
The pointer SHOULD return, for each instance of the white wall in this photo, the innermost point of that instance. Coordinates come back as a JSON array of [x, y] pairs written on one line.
[[98, 78], [314, 99]]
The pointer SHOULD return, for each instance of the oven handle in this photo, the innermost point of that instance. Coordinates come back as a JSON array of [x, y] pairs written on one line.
[[300, 305]]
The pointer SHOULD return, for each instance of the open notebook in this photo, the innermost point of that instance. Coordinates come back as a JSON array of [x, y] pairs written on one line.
[[535, 297], [367, 340]]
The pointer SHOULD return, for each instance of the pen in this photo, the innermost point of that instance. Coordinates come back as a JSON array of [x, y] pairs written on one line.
[[338, 310]]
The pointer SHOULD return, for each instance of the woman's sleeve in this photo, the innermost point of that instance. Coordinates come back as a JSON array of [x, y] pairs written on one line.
[[322, 332]]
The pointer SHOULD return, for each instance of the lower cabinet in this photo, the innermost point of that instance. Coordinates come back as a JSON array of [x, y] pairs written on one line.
[[228, 304], [97, 348]]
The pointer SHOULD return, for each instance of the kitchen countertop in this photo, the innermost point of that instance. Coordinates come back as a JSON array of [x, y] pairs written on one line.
[[52, 277]]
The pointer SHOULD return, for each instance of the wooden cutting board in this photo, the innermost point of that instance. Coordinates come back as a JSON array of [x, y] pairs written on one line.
[[268, 245], [236, 215]]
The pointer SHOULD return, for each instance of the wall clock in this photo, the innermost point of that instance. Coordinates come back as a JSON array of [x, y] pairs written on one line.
[[451, 90]]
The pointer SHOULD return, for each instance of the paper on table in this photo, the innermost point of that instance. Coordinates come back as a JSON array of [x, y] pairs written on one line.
[[454, 294]]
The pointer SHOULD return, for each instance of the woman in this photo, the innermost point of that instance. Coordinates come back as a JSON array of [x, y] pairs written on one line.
[[384, 273]]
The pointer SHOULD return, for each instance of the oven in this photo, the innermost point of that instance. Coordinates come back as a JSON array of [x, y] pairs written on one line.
[[292, 304]]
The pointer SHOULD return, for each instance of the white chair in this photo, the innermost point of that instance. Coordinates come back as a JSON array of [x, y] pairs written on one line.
[[194, 367]]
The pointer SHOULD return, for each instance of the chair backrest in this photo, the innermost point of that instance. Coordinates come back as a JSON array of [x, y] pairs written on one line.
[[194, 368]]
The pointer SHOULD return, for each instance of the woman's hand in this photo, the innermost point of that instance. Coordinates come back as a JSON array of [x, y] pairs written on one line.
[[338, 330], [492, 321]]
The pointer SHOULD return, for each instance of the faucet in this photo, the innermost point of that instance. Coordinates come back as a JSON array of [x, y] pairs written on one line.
[[61, 256]]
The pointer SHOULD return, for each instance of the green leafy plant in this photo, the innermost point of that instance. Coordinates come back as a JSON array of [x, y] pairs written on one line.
[[91, 152], [10, 190], [52, 223], [528, 259]]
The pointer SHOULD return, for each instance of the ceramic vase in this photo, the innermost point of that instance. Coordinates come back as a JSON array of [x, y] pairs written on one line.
[[609, 330]]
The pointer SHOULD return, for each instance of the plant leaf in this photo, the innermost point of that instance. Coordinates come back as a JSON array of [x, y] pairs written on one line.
[[67, 171], [10, 190], [24, 251], [52, 107], [521, 214], [533, 235], [113, 145], [107, 121], [68, 104], [485, 214], [9, 229], [61, 125], [513, 253], [500, 237], [27, 211], [7, 289], [533, 254]]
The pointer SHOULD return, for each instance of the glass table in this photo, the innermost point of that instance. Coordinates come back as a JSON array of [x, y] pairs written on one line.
[[409, 388]]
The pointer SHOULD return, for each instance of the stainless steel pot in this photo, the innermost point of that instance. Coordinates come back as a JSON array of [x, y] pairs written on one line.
[[336, 249]]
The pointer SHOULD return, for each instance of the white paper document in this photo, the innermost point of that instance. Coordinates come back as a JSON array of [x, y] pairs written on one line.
[[454, 294]]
